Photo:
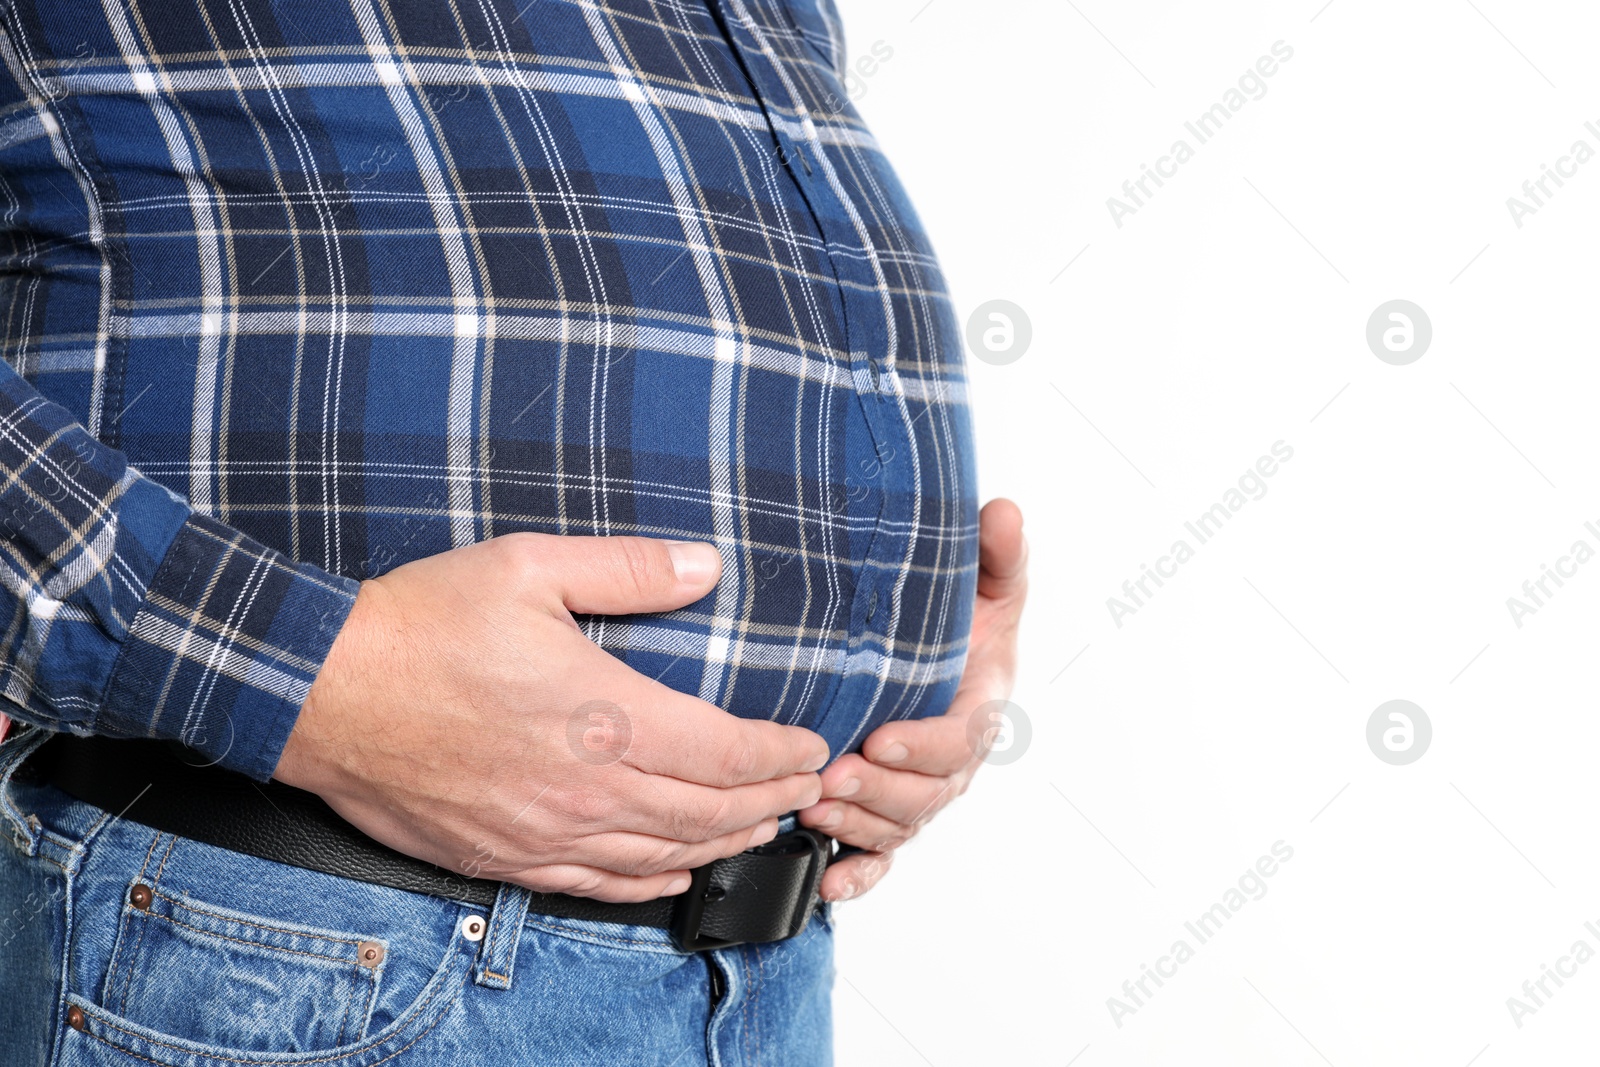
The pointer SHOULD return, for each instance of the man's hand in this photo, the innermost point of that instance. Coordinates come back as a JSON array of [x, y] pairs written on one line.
[[462, 717], [910, 770]]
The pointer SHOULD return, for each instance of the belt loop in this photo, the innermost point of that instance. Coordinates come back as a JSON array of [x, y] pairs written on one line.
[[22, 741], [498, 955]]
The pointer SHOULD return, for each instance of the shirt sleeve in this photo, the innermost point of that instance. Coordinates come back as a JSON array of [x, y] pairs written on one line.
[[129, 614]]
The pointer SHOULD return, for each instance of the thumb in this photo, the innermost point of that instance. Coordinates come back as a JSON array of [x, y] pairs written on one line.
[[627, 575], [1002, 550]]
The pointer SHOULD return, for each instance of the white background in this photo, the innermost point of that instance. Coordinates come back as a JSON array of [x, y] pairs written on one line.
[[1230, 712]]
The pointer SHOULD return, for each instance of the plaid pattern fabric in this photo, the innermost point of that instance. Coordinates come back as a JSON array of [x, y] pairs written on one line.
[[297, 291]]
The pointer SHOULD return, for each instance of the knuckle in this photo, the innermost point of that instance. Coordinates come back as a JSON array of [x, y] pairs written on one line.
[[873, 790], [894, 840], [528, 563], [588, 807], [872, 873], [681, 823], [542, 881], [524, 556], [639, 565], [717, 814], [670, 856], [581, 883], [740, 758], [890, 838], [653, 859]]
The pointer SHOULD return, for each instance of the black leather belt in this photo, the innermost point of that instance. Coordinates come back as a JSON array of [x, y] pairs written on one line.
[[767, 893]]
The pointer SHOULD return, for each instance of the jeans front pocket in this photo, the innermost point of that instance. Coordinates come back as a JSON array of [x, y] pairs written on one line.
[[215, 976]]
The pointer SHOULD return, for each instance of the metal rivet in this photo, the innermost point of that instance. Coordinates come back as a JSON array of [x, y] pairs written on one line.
[[75, 1018], [140, 896], [472, 929], [369, 953]]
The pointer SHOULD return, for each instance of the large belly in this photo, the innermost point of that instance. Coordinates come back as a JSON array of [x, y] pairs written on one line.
[[848, 562], [529, 297]]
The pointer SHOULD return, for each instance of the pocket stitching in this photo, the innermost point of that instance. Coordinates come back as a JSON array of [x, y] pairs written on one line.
[[133, 950], [344, 1021], [92, 1013], [128, 964], [228, 1059], [352, 984], [253, 944], [366, 1010], [187, 906], [165, 856]]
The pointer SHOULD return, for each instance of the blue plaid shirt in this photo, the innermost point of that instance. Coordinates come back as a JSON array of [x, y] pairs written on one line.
[[294, 292]]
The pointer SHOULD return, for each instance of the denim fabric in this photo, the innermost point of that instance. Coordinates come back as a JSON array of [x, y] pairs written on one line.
[[232, 960]]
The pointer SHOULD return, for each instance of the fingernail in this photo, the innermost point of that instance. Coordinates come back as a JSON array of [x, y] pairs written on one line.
[[763, 834], [694, 562], [677, 885], [849, 891], [893, 754], [817, 762], [848, 788], [830, 820]]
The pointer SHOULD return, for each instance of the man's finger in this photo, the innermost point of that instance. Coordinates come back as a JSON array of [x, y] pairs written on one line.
[[684, 811], [641, 854], [1002, 550], [621, 575], [855, 825], [843, 776], [855, 874], [687, 738], [649, 726], [942, 745], [580, 881], [899, 796]]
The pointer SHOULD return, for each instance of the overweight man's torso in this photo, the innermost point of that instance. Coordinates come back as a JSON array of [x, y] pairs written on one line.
[[373, 280]]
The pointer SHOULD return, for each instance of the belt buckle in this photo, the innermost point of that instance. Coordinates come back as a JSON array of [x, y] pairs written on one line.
[[704, 891]]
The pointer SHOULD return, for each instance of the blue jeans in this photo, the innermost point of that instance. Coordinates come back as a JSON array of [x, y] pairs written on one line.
[[122, 945]]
